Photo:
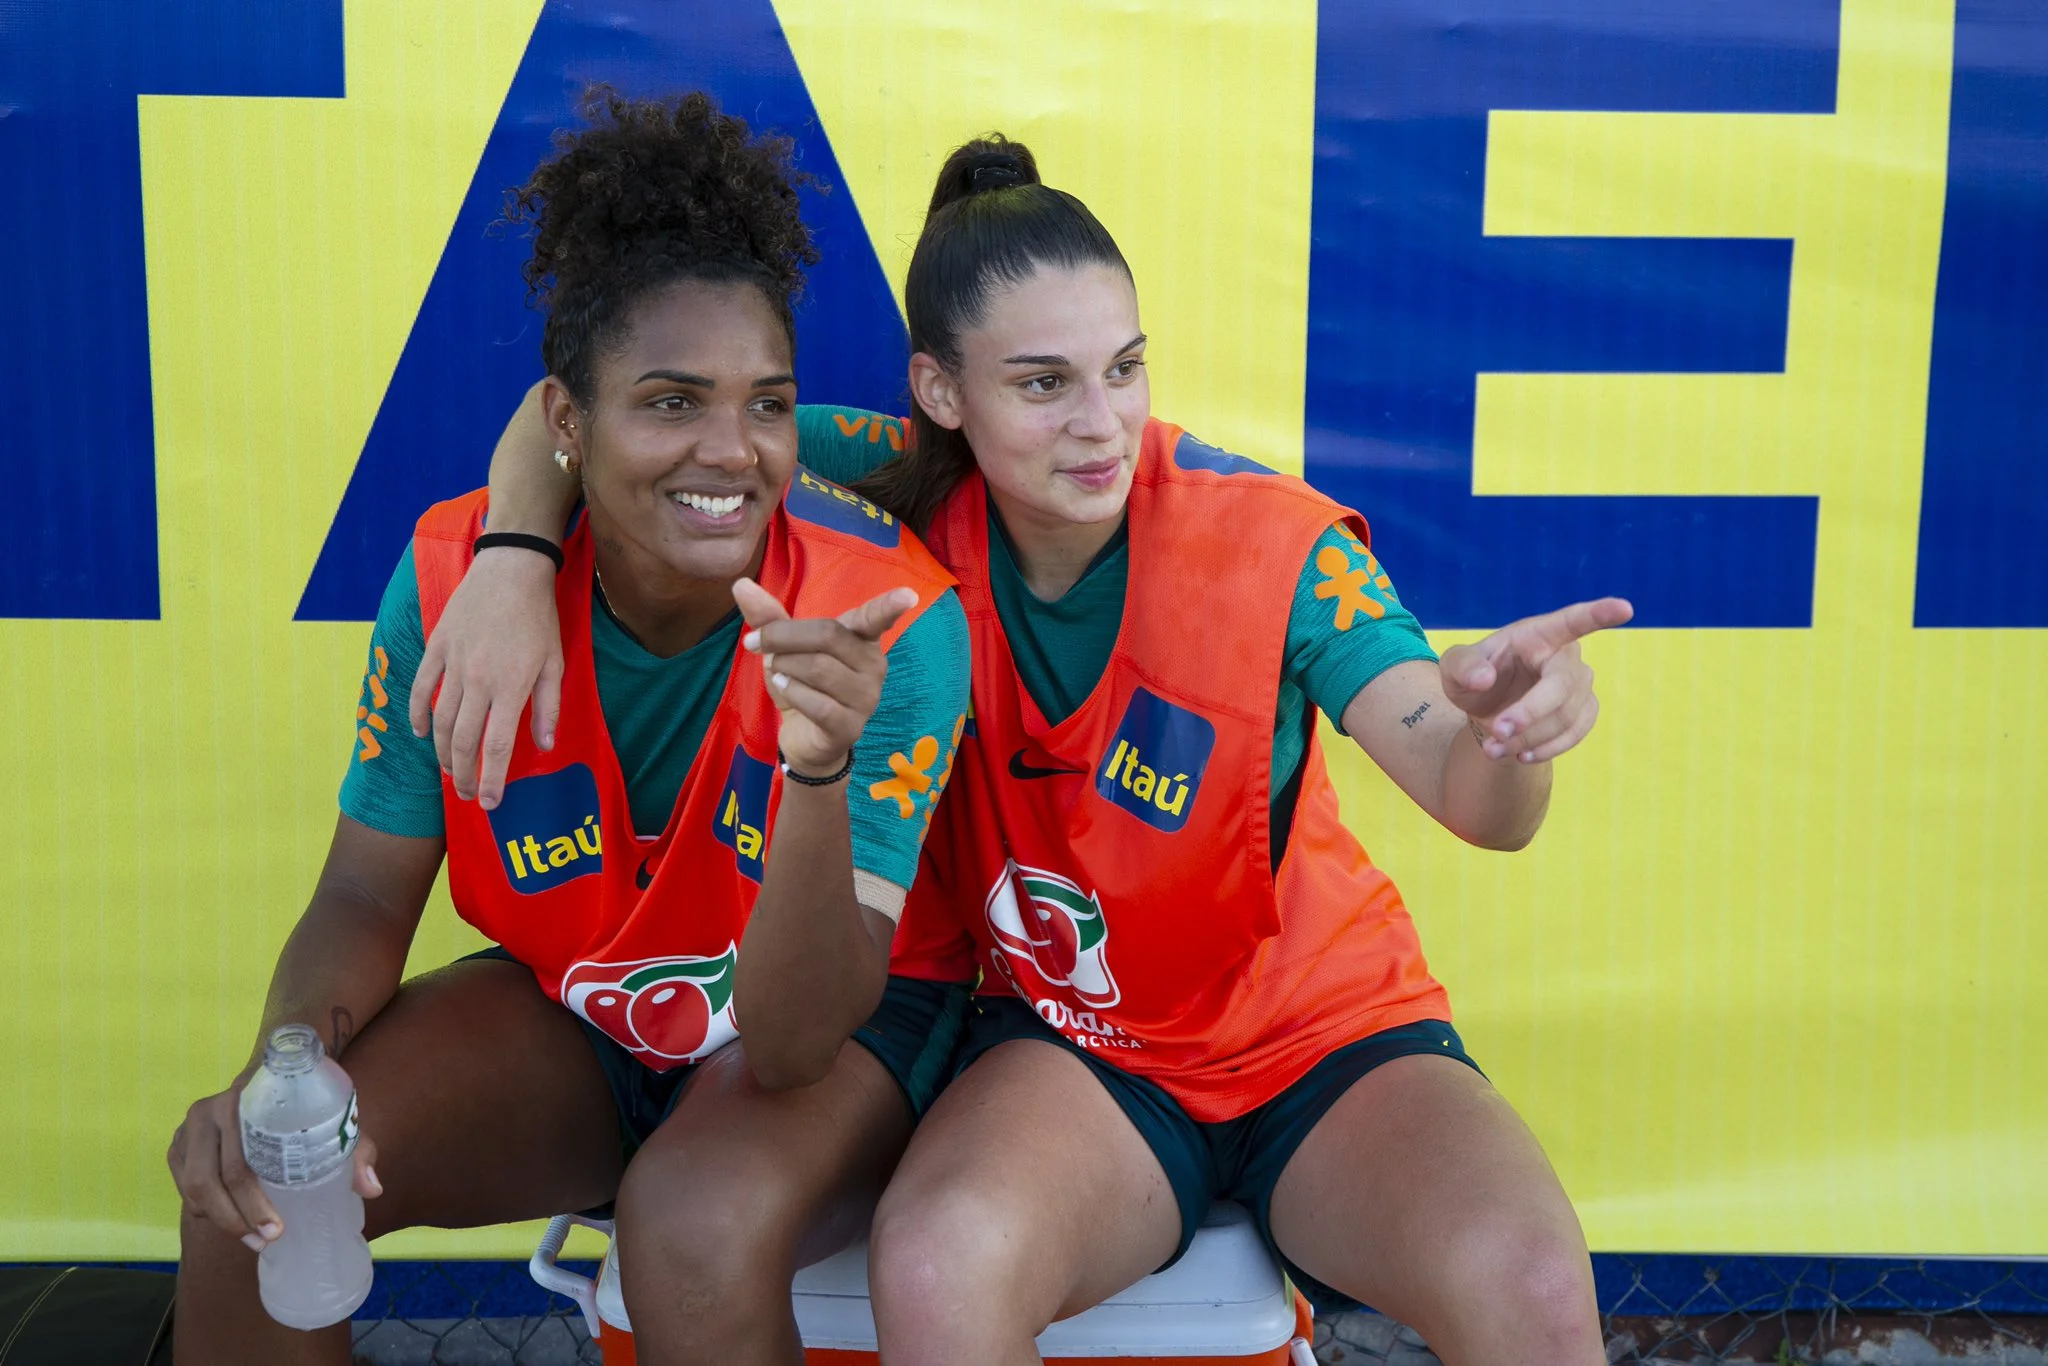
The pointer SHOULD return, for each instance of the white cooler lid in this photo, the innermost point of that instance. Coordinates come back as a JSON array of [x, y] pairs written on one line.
[[1224, 1298]]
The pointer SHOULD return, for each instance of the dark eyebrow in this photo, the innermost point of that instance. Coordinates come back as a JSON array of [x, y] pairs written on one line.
[[1060, 361], [702, 382]]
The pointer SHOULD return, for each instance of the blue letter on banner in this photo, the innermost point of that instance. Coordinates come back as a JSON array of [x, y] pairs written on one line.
[[1984, 499], [80, 456], [475, 346], [1409, 302]]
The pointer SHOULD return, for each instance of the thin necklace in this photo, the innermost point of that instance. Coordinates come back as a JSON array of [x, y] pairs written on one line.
[[604, 601]]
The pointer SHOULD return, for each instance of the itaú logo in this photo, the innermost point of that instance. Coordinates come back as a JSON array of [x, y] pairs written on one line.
[[547, 829], [1155, 761], [742, 819]]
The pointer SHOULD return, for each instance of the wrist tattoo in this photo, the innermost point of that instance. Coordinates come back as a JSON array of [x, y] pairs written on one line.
[[1412, 717], [1479, 731]]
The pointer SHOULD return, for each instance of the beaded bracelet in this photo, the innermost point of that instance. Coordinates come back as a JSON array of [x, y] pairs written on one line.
[[809, 781]]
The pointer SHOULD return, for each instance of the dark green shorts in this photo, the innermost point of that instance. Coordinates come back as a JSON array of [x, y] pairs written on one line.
[[1236, 1159], [913, 1032]]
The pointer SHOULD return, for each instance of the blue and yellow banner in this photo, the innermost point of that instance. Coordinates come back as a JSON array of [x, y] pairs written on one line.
[[1733, 307]]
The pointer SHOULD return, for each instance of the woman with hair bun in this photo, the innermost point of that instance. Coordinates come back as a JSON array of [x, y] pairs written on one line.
[[673, 859], [1194, 983]]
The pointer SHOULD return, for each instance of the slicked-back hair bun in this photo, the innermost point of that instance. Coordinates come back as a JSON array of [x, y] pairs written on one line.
[[988, 163], [993, 223], [648, 193]]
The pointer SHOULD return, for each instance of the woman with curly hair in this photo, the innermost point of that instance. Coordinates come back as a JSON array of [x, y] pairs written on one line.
[[1195, 984], [764, 676]]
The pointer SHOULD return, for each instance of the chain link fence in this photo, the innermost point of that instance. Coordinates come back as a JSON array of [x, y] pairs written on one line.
[[1656, 1309]]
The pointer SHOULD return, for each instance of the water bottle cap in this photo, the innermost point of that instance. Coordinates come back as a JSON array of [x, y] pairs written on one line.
[[292, 1049]]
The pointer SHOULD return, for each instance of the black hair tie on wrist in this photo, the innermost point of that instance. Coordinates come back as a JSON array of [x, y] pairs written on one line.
[[522, 541], [809, 781]]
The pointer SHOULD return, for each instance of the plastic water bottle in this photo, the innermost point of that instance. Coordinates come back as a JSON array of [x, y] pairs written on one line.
[[299, 1138]]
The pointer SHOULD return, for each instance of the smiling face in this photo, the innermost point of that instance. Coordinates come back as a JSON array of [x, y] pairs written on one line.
[[1052, 395], [691, 439]]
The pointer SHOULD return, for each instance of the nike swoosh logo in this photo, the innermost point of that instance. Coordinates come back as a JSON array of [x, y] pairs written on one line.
[[644, 877], [1020, 769]]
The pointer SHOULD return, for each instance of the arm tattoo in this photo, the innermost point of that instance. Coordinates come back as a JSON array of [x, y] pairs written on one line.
[[344, 1029], [1412, 717]]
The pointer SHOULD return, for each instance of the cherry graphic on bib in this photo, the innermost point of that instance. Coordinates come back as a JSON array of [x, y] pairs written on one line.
[[670, 1017], [664, 1010], [1057, 942], [606, 1008], [1052, 923]]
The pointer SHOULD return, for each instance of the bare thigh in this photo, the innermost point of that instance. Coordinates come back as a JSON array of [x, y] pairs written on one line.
[[1026, 1193], [486, 1103], [486, 1100], [1423, 1194]]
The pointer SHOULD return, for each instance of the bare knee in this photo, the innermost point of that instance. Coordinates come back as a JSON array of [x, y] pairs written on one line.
[[710, 1234], [1536, 1283], [1554, 1289], [933, 1252]]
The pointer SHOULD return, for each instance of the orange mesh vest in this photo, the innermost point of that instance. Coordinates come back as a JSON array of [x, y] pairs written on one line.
[[639, 934], [1115, 870]]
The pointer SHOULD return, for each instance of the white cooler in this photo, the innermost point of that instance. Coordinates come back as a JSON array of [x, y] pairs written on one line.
[[1225, 1300]]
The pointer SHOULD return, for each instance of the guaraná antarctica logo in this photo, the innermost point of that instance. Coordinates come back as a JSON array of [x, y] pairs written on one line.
[[666, 1010], [1047, 921]]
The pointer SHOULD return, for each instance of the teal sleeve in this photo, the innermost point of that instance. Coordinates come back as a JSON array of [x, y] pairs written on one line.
[[846, 444], [394, 780], [905, 753], [1347, 626]]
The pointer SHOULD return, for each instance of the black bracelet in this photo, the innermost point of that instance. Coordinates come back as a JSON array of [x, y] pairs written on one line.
[[809, 781], [521, 541]]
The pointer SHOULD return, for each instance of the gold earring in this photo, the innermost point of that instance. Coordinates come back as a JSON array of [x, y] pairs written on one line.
[[566, 462]]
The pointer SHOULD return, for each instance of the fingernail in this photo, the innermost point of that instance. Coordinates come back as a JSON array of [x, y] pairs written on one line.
[[1528, 756], [270, 1230], [488, 803], [752, 640], [548, 741], [1504, 728], [780, 680], [370, 1175], [252, 1242], [1496, 750]]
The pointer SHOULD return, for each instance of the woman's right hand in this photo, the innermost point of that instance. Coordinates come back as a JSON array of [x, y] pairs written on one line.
[[215, 1182], [498, 643]]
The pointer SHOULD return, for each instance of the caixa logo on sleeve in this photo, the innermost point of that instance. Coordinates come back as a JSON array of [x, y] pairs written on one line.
[[1155, 761], [827, 504], [742, 821], [547, 829]]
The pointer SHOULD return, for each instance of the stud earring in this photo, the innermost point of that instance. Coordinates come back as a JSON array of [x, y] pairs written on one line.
[[566, 462]]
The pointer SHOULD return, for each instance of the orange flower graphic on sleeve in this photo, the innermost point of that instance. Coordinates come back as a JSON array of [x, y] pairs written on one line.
[[367, 712]]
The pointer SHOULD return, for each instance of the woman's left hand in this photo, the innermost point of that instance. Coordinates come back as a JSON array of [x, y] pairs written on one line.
[[1525, 685], [825, 673]]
